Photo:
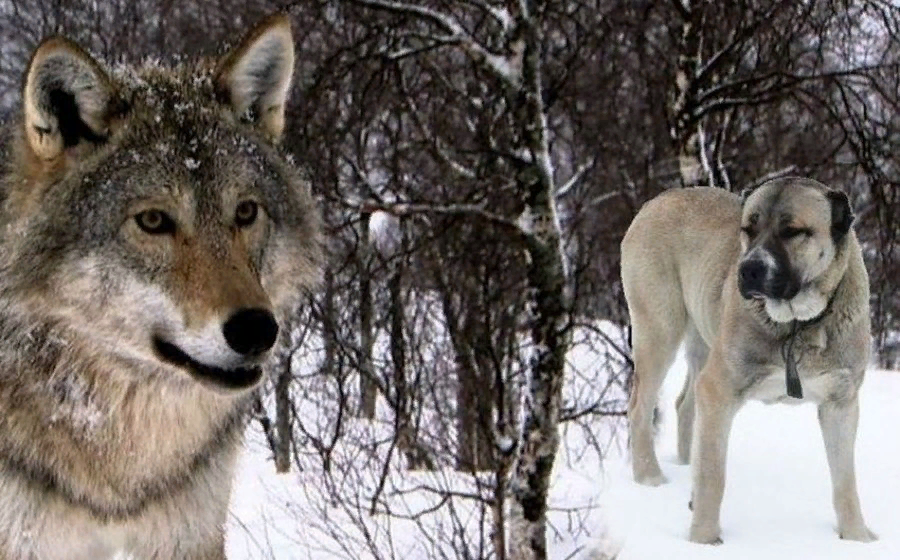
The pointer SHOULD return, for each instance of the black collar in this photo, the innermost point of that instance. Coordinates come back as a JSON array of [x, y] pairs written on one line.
[[792, 376]]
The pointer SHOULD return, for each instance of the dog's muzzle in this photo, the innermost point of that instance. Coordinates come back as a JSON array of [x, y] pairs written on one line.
[[756, 279], [752, 278]]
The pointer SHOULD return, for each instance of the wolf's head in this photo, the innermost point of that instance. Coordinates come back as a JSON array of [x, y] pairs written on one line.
[[150, 212]]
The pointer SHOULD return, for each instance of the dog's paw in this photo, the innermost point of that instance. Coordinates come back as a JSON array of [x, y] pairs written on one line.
[[704, 535], [651, 479], [861, 534], [648, 473]]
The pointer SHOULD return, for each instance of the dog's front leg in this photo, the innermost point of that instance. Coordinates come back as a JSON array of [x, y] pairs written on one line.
[[716, 407], [838, 420]]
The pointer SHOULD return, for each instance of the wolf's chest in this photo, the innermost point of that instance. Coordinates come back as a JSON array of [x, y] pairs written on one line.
[[35, 525]]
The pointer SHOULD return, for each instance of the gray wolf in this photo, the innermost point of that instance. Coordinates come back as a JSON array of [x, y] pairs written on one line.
[[153, 237], [756, 288]]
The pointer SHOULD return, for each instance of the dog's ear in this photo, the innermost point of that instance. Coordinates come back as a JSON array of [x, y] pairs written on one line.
[[67, 100], [256, 76], [841, 214], [745, 193]]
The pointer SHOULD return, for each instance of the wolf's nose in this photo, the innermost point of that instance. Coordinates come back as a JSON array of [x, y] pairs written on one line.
[[251, 331]]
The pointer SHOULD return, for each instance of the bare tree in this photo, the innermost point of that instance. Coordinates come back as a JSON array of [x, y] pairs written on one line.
[[513, 140], [514, 56]]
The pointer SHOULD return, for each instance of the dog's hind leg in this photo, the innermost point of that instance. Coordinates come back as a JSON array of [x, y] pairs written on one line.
[[696, 352], [716, 407], [657, 330]]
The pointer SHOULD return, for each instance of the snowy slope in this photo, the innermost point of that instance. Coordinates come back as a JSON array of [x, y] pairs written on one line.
[[777, 502]]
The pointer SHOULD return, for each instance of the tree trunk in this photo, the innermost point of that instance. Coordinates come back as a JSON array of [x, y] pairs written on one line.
[[484, 394], [683, 127], [404, 399], [466, 412], [460, 328], [283, 417], [505, 453], [548, 309], [368, 390], [329, 336]]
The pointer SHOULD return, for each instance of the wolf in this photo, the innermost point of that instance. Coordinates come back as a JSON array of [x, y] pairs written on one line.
[[770, 294], [153, 240]]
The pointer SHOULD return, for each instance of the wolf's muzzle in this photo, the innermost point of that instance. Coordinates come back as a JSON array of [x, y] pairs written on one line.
[[234, 379]]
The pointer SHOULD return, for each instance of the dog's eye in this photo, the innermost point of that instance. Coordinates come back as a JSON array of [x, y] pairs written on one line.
[[155, 222], [245, 213], [792, 232]]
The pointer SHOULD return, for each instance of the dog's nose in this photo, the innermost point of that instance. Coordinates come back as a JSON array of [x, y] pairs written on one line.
[[251, 332], [751, 276], [753, 272]]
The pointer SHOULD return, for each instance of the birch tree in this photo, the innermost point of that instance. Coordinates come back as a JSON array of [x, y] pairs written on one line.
[[731, 58], [514, 58]]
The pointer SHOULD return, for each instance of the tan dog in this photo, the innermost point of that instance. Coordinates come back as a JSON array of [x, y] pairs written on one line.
[[758, 289]]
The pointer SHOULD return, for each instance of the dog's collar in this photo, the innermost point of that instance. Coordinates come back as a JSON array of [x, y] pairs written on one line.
[[792, 376]]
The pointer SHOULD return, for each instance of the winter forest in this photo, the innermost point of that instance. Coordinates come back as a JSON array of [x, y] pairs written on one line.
[[477, 163]]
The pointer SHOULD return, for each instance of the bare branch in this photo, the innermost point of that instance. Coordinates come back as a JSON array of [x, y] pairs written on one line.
[[569, 185], [783, 172], [504, 68], [501, 14], [738, 37], [600, 199], [409, 208]]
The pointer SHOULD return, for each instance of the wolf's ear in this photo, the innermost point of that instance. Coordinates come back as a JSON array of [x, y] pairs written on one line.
[[67, 98], [745, 193], [256, 76], [841, 214]]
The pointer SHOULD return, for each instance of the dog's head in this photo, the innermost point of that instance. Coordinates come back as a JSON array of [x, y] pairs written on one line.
[[791, 232], [152, 211]]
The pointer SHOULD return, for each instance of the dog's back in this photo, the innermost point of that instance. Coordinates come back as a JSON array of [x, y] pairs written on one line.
[[660, 288]]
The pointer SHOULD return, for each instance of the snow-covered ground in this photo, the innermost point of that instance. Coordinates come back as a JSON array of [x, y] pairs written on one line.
[[777, 501]]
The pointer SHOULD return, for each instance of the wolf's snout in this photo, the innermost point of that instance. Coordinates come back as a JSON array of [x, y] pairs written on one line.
[[251, 332], [751, 278]]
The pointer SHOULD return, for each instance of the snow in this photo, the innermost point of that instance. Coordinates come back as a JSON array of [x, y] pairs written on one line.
[[384, 230], [777, 501], [505, 444]]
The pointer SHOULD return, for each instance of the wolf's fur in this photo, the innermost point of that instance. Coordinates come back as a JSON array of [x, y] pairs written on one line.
[[731, 279], [109, 443]]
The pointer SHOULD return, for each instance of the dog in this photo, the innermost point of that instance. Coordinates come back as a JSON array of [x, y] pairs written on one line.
[[770, 295], [153, 238]]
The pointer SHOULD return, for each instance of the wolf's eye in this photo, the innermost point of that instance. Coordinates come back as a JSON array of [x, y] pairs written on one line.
[[748, 231], [155, 222], [245, 213]]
